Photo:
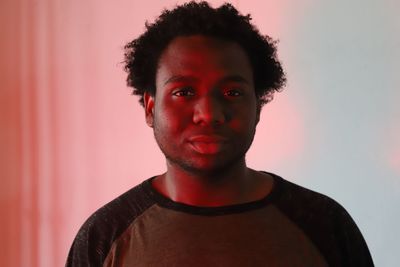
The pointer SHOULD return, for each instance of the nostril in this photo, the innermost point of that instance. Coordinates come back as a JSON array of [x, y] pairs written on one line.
[[208, 112]]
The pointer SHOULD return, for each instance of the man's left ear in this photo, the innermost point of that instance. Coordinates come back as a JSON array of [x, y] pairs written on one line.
[[258, 113], [148, 101]]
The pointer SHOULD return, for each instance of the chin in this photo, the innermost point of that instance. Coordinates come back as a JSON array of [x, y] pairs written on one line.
[[207, 166]]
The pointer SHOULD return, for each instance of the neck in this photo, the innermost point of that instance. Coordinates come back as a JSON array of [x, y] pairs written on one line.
[[233, 185]]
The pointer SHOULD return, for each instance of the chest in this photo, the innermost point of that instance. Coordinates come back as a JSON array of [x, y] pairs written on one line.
[[263, 237]]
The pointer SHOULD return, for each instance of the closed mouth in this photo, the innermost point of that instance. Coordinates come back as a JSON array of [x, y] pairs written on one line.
[[208, 139], [208, 144]]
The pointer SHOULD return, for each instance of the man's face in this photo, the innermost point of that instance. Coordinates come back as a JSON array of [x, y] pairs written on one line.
[[205, 111]]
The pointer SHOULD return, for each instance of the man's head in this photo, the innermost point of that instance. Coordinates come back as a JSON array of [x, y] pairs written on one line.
[[205, 112], [142, 55], [203, 75]]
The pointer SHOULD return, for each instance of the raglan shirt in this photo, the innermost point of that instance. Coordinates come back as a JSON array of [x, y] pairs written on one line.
[[291, 226]]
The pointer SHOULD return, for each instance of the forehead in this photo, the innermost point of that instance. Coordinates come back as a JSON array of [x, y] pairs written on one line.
[[205, 55]]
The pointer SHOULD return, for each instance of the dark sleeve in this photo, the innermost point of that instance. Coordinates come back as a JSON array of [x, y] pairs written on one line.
[[354, 249], [91, 244], [327, 224], [95, 238]]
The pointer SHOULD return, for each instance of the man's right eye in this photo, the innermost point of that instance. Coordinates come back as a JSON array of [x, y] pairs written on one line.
[[183, 92]]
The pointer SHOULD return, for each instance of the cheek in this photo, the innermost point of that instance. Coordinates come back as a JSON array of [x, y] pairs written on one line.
[[171, 118], [244, 125], [244, 118]]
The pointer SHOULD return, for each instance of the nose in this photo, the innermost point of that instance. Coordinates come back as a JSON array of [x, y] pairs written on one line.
[[209, 110]]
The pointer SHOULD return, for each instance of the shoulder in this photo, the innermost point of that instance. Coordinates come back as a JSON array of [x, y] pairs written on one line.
[[310, 208], [303, 201], [325, 222], [103, 227]]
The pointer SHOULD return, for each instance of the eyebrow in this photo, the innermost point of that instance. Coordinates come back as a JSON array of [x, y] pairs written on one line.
[[234, 78], [180, 78], [188, 78]]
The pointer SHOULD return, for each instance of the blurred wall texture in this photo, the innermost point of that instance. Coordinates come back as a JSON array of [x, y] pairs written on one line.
[[73, 138]]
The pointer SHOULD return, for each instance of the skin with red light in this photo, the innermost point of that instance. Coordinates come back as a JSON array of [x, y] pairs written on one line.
[[204, 115]]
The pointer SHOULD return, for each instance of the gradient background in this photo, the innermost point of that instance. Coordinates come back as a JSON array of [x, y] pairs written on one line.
[[73, 138]]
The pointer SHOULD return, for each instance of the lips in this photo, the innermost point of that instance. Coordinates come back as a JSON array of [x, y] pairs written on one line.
[[208, 144], [208, 138]]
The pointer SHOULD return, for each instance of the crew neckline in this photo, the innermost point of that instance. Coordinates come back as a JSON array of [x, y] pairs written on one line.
[[168, 203]]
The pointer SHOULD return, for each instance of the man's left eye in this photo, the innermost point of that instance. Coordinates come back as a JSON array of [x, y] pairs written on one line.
[[233, 92]]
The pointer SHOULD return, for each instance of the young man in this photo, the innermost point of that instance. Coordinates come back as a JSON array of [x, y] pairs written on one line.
[[203, 75]]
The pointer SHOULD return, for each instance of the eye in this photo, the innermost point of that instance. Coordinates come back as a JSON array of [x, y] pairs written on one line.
[[233, 93], [182, 92]]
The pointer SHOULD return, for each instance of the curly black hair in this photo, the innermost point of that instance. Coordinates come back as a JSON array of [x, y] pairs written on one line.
[[193, 18]]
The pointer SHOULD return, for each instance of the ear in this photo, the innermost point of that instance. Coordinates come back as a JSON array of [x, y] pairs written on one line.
[[148, 100], [258, 113]]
